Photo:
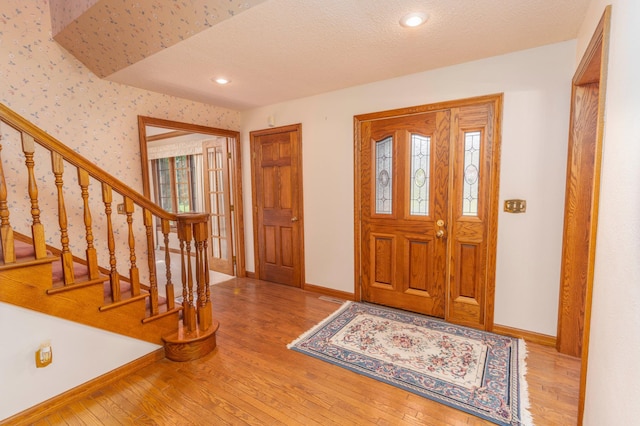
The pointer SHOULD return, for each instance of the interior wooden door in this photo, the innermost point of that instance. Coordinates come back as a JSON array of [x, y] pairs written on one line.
[[405, 168], [277, 200], [218, 205]]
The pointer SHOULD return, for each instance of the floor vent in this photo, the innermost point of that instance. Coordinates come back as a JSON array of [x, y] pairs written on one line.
[[332, 299]]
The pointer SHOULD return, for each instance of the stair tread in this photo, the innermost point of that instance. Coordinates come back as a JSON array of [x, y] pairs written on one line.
[[25, 251]]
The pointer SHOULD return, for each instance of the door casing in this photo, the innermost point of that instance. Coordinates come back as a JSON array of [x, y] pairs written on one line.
[[582, 199]]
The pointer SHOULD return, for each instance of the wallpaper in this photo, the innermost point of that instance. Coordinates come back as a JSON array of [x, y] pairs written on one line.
[[96, 118], [113, 34], [63, 12]]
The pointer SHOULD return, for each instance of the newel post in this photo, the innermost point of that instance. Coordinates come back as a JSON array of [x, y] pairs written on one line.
[[196, 308], [202, 275]]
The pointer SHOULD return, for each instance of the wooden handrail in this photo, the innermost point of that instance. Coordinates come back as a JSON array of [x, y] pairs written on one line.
[[54, 145], [191, 228]]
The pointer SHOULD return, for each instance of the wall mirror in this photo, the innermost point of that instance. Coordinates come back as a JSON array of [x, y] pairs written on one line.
[[193, 168]]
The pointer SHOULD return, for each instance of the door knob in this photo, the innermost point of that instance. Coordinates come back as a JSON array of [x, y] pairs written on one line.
[[294, 219], [439, 233]]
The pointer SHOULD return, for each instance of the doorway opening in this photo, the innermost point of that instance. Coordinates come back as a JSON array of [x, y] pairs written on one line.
[[192, 168], [582, 201]]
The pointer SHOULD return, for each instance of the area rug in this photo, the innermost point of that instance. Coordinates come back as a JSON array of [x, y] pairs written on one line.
[[474, 371]]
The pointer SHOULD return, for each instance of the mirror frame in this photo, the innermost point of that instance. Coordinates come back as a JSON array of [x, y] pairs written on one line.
[[235, 173]]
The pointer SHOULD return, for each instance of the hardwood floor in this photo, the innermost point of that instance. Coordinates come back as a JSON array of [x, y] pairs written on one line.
[[252, 378]]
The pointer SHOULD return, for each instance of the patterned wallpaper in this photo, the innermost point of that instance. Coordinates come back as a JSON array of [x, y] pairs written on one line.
[[63, 12], [114, 34], [96, 118]]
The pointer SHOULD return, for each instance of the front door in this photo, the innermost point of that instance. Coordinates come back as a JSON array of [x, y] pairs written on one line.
[[277, 201], [404, 208], [428, 208]]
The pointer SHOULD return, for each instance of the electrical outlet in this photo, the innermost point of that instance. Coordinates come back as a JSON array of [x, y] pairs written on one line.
[[44, 355]]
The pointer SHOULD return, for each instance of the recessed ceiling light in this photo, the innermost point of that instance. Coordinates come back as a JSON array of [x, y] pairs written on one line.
[[222, 80], [414, 19]]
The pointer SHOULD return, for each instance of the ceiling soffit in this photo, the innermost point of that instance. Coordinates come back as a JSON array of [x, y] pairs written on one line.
[[109, 35]]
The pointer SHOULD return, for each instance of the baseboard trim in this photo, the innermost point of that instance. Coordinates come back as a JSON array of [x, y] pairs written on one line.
[[42, 410], [529, 336], [329, 292]]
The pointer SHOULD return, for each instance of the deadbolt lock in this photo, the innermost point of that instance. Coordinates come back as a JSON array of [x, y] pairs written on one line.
[[440, 222]]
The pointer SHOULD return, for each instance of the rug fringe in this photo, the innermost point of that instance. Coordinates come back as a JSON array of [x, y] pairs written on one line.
[[320, 324], [526, 418]]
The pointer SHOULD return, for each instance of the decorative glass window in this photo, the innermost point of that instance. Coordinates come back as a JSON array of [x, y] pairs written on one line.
[[420, 175], [471, 173], [384, 173]]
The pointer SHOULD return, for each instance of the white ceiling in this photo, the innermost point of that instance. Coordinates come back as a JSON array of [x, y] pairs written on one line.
[[286, 49]]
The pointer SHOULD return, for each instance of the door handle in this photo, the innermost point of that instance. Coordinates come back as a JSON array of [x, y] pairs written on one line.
[[294, 219], [440, 232]]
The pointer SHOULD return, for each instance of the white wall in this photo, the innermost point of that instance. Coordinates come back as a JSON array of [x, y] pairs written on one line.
[[613, 375], [536, 85], [79, 354]]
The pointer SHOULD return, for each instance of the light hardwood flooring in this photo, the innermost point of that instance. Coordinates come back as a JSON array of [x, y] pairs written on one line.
[[252, 378]]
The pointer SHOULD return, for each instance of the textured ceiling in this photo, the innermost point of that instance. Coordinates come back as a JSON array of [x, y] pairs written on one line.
[[285, 49]]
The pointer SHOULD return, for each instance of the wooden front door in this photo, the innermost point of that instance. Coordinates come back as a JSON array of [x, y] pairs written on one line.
[[277, 200], [405, 161], [427, 191], [218, 205]]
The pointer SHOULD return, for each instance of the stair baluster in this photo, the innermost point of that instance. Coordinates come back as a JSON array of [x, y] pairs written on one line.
[[208, 320], [166, 228], [92, 257], [153, 281], [185, 235], [57, 163], [134, 274], [114, 278], [37, 229], [6, 231]]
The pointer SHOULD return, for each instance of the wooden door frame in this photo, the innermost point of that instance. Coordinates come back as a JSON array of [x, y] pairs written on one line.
[[256, 249], [492, 218], [591, 71], [235, 173]]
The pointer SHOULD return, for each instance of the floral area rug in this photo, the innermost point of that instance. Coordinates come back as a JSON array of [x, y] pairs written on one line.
[[474, 371]]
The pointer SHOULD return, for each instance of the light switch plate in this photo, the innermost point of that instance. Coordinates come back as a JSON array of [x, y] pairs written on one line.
[[515, 206]]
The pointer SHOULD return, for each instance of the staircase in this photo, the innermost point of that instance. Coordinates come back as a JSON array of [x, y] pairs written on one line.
[[74, 271]]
